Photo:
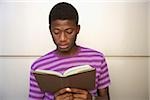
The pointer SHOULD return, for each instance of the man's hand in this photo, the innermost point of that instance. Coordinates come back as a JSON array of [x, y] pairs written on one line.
[[79, 94], [72, 94], [64, 94]]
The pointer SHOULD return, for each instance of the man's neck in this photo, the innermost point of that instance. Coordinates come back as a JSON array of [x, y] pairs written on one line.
[[73, 51]]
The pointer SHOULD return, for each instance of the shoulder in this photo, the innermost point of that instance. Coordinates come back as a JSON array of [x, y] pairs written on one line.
[[41, 59], [91, 51], [96, 58]]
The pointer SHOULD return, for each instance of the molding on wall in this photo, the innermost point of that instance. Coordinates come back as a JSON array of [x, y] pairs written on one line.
[[18, 56], [87, 1], [127, 56], [32, 56]]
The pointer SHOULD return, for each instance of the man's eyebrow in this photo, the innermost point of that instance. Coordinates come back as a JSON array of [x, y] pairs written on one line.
[[55, 28], [70, 28]]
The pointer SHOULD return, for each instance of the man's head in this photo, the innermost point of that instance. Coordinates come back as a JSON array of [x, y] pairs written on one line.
[[63, 11], [63, 25]]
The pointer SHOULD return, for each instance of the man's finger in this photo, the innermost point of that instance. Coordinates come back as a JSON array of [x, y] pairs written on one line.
[[65, 96], [79, 99], [79, 91], [62, 91], [80, 96]]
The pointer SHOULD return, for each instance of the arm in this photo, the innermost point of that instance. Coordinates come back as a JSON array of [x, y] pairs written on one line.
[[103, 81], [103, 94], [34, 90]]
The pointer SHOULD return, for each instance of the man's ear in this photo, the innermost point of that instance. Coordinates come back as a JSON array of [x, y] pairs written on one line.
[[78, 29], [50, 28]]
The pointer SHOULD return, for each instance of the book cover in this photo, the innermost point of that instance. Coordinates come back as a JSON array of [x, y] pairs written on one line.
[[82, 77]]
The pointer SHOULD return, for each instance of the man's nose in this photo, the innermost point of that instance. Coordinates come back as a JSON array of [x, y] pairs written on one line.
[[62, 36]]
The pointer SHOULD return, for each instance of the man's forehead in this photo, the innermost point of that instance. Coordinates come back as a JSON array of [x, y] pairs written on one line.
[[60, 21], [63, 23]]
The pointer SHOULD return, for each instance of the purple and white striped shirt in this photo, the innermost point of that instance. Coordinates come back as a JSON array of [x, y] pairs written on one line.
[[52, 61]]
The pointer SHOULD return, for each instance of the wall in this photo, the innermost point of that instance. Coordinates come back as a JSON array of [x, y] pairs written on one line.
[[149, 42], [116, 28]]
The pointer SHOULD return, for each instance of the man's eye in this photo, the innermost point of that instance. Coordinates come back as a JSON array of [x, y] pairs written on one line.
[[69, 31], [56, 32]]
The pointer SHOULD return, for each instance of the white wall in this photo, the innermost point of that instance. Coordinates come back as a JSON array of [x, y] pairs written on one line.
[[15, 74], [116, 28], [149, 42], [129, 78]]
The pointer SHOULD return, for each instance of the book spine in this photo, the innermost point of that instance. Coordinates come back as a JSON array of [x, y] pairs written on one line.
[[64, 82]]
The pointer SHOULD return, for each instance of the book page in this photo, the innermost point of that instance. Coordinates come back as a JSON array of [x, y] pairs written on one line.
[[48, 72], [78, 69]]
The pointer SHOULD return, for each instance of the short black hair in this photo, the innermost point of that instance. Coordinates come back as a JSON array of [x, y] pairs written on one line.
[[63, 11]]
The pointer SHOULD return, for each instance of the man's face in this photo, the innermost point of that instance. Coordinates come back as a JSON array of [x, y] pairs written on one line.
[[64, 33]]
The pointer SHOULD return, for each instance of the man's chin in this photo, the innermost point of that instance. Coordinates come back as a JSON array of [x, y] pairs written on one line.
[[63, 49]]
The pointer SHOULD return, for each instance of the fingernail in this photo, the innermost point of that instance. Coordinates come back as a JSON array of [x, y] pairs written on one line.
[[68, 89]]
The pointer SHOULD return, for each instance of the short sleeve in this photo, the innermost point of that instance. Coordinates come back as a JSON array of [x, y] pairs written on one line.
[[34, 91], [104, 79]]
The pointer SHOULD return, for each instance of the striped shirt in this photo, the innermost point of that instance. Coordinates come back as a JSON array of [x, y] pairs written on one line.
[[52, 61]]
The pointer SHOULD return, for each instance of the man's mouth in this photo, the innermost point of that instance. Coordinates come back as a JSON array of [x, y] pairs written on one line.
[[63, 46]]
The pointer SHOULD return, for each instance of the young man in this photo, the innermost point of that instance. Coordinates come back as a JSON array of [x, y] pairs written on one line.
[[64, 28]]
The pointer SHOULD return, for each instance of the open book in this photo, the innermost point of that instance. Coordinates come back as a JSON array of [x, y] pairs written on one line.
[[82, 77]]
